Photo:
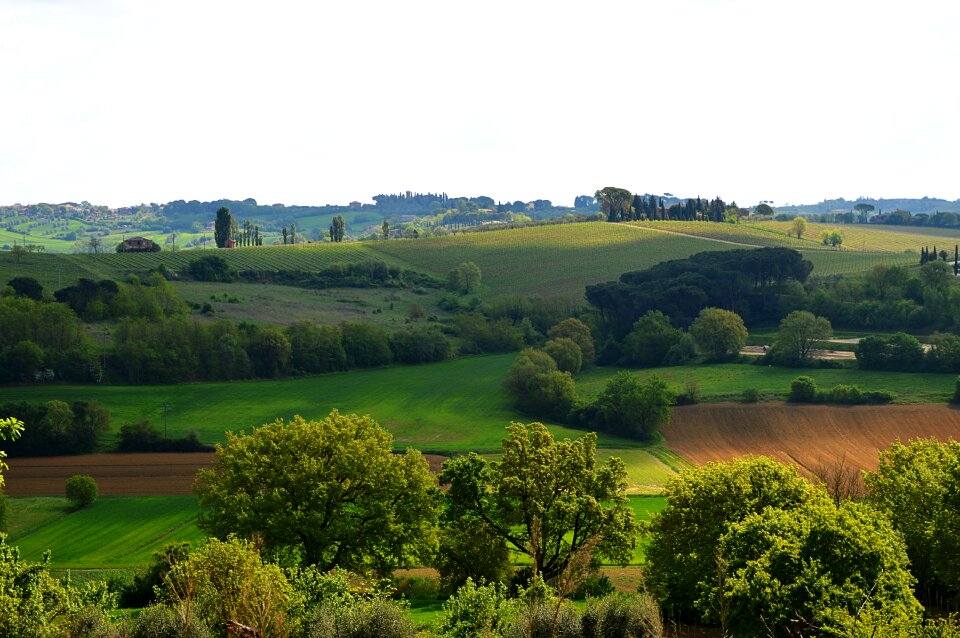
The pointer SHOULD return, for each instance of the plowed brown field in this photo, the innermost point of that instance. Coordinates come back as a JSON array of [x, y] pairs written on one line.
[[809, 436], [117, 474]]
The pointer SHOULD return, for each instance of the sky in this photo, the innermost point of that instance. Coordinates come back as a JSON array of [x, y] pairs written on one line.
[[120, 102]]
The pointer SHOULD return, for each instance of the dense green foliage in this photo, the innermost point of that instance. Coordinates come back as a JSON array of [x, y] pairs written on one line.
[[684, 538], [81, 490], [718, 334], [538, 388], [545, 499], [38, 337], [57, 427], [917, 485], [652, 341], [814, 570], [628, 406], [332, 488], [799, 332]]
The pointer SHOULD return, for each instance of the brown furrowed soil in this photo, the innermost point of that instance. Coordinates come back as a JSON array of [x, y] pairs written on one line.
[[810, 436], [153, 474]]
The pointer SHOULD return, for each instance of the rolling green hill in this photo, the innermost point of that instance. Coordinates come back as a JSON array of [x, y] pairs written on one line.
[[558, 259]]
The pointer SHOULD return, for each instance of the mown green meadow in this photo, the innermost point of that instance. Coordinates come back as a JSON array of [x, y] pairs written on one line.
[[114, 532], [120, 532], [281, 305], [726, 382]]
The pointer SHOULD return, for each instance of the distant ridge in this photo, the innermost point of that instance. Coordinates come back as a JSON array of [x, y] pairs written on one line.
[[923, 205]]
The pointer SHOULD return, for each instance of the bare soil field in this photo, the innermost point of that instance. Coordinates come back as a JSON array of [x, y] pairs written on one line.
[[809, 436], [154, 474]]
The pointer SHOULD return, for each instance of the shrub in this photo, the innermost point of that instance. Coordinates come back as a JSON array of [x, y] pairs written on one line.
[[689, 395], [469, 550], [618, 615], [365, 619], [143, 437], [681, 353], [91, 622], [849, 394], [803, 390], [163, 622], [211, 268], [81, 490], [878, 396], [546, 621], [594, 586], [751, 395], [476, 610]]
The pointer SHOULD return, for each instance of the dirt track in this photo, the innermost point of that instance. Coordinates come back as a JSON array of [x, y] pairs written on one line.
[[807, 436], [117, 474]]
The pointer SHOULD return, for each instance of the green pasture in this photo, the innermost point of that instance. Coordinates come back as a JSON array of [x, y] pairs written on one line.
[[49, 244], [725, 382], [119, 532], [450, 407], [110, 265], [116, 531], [276, 304]]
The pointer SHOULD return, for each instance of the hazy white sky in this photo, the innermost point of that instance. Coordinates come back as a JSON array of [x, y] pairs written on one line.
[[120, 102]]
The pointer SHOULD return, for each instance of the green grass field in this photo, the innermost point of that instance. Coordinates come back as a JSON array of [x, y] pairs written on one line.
[[124, 531], [449, 407], [275, 304], [724, 382], [115, 532]]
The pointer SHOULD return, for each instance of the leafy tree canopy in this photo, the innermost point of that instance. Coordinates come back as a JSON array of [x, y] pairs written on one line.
[[333, 488], [701, 503], [718, 333], [744, 281], [545, 499], [799, 332]]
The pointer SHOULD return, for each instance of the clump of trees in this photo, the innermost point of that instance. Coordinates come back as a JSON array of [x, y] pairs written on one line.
[[804, 389], [747, 282], [57, 427], [755, 548]]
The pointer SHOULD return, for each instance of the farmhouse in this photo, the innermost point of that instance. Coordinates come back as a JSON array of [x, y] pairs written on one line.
[[138, 245]]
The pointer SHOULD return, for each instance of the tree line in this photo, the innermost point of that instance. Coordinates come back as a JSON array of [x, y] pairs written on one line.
[[620, 205]]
